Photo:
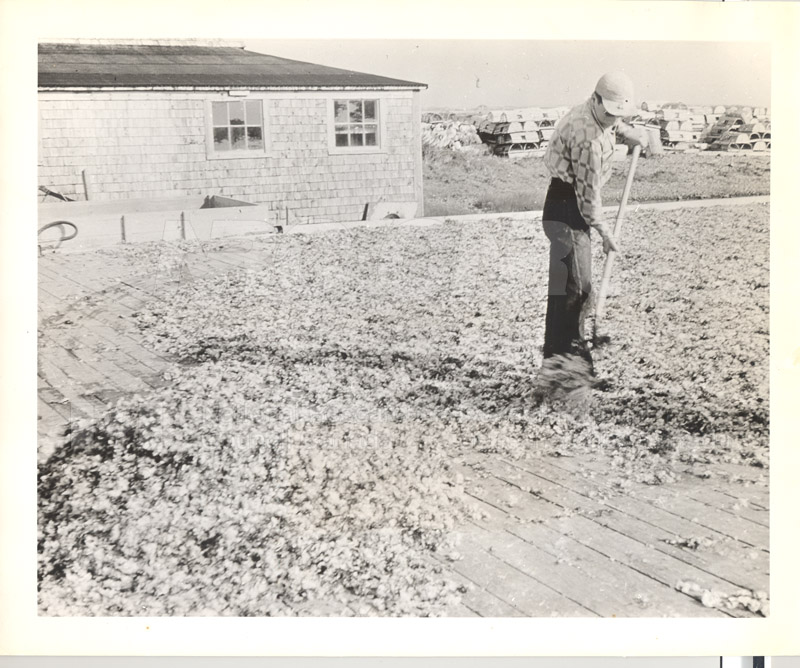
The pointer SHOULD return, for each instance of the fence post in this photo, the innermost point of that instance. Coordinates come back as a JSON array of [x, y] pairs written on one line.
[[87, 184]]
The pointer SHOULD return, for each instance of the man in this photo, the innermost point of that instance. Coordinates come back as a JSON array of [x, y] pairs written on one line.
[[578, 158]]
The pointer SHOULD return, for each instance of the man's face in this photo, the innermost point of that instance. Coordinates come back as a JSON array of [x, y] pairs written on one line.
[[605, 119]]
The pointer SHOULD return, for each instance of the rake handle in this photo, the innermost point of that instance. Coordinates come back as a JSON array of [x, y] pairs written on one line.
[[604, 283]]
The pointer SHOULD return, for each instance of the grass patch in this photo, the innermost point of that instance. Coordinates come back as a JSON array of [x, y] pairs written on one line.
[[475, 181]]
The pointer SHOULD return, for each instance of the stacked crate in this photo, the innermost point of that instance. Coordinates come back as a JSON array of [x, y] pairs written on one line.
[[672, 125], [520, 132], [736, 128], [745, 137]]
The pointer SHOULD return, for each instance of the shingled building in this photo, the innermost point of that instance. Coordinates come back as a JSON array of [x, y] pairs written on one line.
[[162, 118]]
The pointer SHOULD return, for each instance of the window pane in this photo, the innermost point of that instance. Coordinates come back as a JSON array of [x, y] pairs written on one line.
[[221, 142], [341, 140], [370, 136], [219, 113], [255, 141], [237, 138], [356, 139], [237, 112], [340, 111], [253, 109], [355, 111], [370, 108]]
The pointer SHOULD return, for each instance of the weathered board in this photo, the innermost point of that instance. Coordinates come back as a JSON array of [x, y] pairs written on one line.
[[102, 224]]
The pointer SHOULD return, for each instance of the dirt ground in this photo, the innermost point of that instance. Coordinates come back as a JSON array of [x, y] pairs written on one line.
[[471, 182]]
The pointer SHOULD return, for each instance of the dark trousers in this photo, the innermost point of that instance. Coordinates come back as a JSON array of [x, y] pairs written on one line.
[[570, 281]]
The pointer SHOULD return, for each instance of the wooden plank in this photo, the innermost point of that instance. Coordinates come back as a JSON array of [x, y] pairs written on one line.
[[653, 574], [585, 582], [132, 294], [680, 505], [130, 341], [483, 566], [120, 303], [738, 476], [697, 489], [716, 500], [644, 556], [77, 280], [461, 610], [48, 301], [641, 558], [638, 522], [114, 208], [720, 490], [102, 229], [228, 222], [518, 503], [83, 269], [477, 601], [621, 589], [49, 429], [117, 379], [51, 414], [563, 516], [98, 374], [110, 352], [757, 499], [78, 404], [126, 351], [78, 374], [58, 286], [648, 525]]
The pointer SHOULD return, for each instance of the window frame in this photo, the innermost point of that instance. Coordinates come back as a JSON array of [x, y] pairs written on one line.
[[236, 154], [342, 96]]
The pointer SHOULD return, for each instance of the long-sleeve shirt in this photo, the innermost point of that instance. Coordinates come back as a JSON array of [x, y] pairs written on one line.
[[580, 152]]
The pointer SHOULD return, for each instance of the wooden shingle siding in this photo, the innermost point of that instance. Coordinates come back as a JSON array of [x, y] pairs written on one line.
[[153, 144]]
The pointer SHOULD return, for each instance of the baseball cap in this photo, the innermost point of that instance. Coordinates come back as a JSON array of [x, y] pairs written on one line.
[[616, 89]]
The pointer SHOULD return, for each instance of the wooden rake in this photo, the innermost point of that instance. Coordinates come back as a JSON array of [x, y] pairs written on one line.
[[603, 291]]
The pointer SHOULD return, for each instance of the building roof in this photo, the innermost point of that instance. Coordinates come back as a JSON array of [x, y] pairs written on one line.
[[154, 66]]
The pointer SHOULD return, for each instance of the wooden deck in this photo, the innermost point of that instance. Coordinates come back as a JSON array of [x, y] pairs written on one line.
[[553, 538]]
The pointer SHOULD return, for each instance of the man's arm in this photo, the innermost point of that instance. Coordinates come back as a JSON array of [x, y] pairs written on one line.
[[587, 162]]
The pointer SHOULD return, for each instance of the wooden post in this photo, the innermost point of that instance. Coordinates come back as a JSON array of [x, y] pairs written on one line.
[[87, 184], [287, 217], [122, 228], [601, 295], [183, 227]]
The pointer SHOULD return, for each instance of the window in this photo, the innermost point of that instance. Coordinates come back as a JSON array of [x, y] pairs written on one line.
[[237, 127], [356, 123]]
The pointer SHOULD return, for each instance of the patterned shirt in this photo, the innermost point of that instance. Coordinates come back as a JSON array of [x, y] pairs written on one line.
[[579, 152]]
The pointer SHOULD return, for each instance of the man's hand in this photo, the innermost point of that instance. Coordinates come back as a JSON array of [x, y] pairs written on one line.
[[609, 242], [641, 136], [634, 134]]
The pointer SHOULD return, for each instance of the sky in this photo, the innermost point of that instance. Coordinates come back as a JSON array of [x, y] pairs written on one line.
[[465, 74]]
